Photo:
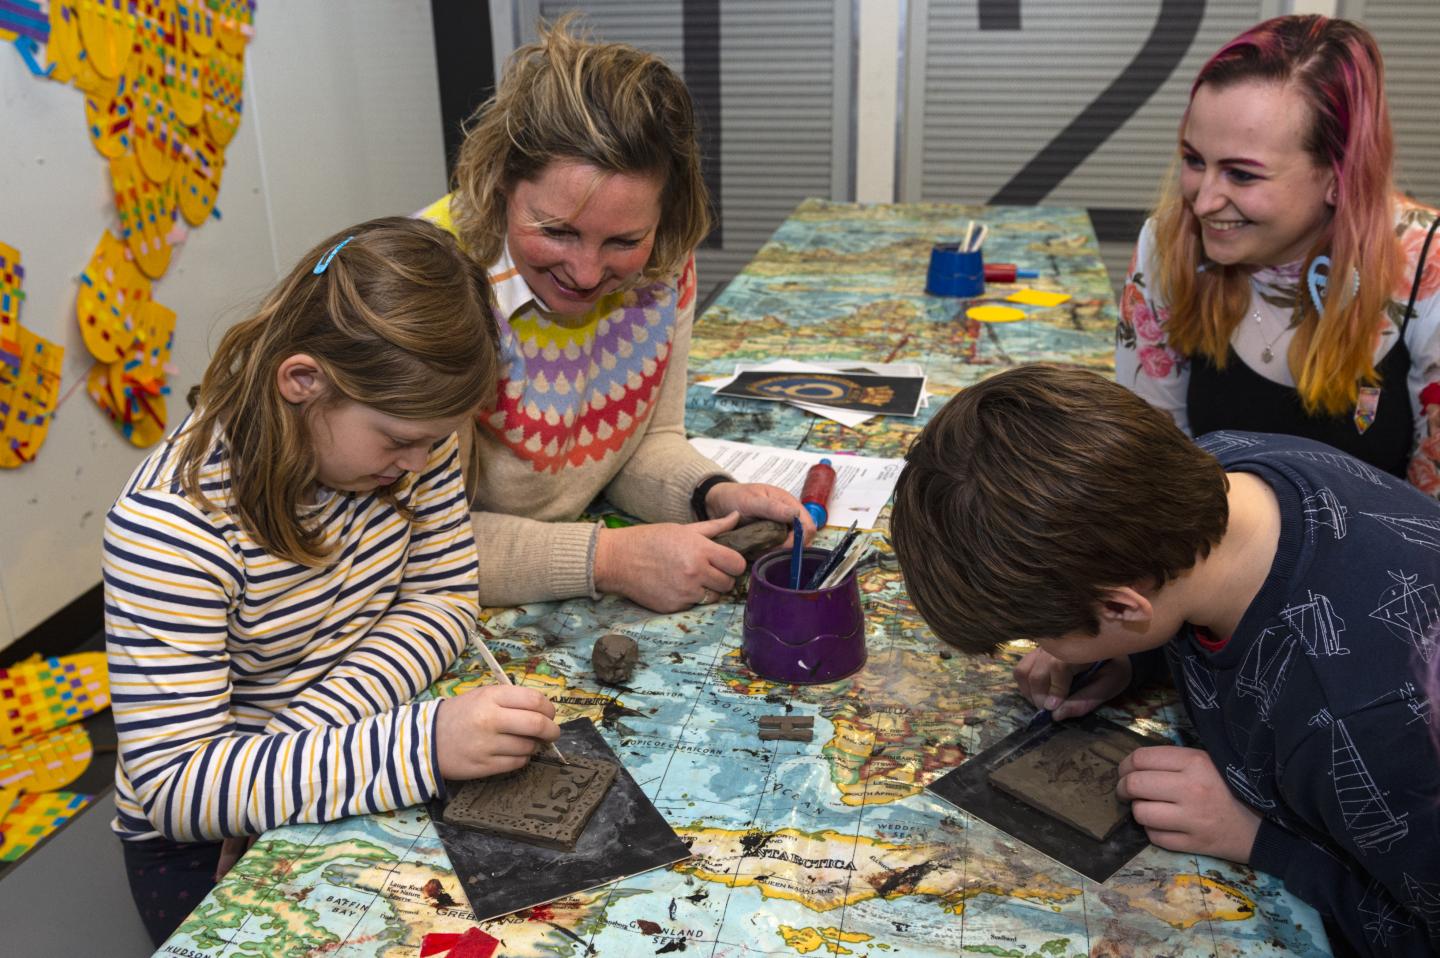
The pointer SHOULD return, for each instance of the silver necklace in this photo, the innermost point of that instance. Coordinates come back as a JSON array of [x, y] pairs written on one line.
[[1267, 354]]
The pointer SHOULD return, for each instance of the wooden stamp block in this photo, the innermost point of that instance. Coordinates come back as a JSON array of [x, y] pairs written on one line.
[[544, 803], [795, 728], [1071, 776]]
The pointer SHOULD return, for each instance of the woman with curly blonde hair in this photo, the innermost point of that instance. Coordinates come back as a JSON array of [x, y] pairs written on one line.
[[578, 187], [1280, 285]]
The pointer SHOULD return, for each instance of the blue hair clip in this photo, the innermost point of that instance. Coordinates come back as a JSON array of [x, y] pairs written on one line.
[[325, 260]]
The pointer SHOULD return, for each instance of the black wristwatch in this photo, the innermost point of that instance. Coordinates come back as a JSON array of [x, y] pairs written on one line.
[[697, 498]]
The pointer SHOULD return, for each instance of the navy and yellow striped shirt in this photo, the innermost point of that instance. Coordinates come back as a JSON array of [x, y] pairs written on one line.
[[250, 691]]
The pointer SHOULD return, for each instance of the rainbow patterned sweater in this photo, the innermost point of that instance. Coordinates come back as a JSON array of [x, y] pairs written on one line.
[[584, 405]]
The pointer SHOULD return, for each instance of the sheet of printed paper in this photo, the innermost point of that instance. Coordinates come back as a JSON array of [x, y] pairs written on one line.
[[862, 484], [845, 417]]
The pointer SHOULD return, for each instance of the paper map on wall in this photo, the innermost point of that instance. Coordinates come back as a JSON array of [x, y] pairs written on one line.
[[163, 83], [29, 372]]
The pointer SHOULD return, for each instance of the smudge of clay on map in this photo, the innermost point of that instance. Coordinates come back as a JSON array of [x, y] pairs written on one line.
[[1071, 776]]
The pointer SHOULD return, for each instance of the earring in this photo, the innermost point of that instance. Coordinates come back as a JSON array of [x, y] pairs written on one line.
[[1318, 280]]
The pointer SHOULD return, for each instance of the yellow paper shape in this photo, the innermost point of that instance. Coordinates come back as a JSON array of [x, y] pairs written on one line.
[[110, 290], [46, 761], [197, 177], [1037, 297], [233, 24], [35, 816], [12, 276], [155, 121], [27, 406], [197, 25], [110, 117], [67, 52], [147, 213], [995, 314], [38, 695], [223, 79], [107, 29], [184, 69]]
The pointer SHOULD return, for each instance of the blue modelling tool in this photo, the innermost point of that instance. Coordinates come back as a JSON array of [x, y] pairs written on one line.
[[1043, 716], [833, 559], [797, 553]]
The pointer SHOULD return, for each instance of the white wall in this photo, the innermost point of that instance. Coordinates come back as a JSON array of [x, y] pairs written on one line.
[[341, 123]]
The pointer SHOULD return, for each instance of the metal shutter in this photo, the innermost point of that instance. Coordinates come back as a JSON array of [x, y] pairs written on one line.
[[980, 103], [1408, 32], [786, 71]]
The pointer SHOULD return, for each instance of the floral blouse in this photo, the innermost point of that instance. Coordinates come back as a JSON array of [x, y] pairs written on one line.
[[1146, 364]]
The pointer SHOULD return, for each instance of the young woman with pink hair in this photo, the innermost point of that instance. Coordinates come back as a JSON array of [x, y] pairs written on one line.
[[1282, 284]]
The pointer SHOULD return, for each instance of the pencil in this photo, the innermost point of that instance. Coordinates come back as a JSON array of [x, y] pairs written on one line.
[[503, 676], [898, 346]]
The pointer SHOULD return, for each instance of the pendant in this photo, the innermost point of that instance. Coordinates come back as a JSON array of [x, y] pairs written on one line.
[[1266, 355]]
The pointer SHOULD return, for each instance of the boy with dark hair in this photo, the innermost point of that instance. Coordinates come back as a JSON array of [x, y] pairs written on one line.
[[1293, 589]]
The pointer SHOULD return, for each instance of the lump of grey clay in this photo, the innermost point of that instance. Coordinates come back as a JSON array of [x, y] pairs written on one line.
[[755, 539], [614, 658]]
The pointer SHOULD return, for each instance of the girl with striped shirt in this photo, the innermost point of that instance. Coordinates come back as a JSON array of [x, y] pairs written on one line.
[[296, 563]]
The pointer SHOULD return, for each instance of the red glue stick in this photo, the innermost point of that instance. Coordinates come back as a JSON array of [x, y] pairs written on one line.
[[1007, 273], [815, 494]]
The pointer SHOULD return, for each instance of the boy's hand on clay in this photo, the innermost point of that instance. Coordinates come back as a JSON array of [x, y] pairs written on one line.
[[1183, 803], [667, 566], [758, 500], [491, 730], [1045, 681]]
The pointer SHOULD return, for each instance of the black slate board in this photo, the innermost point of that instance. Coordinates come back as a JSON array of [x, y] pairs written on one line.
[[625, 836], [969, 788]]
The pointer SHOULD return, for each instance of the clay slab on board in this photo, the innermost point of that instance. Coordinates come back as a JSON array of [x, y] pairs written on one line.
[[1071, 776], [545, 803]]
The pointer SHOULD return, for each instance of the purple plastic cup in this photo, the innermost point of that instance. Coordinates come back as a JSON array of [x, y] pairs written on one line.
[[802, 636]]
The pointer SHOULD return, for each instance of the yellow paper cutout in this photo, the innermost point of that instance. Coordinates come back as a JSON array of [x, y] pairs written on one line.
[[223, 79], [197, 25], [12, 277], [184, 69], [197, 183], [110, 117], [107, 29], [995, 314], [67, 52], [1037, 297], [110, 290], [46, 761], [35, 816], [147, 213], [38, 695], [27, 404], [233, 19], [155, 120]]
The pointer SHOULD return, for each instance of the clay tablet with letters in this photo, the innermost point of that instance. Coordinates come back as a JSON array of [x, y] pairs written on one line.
[[544, 803], [1071, 776]]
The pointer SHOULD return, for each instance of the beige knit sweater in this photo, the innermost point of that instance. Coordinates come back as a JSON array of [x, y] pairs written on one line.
[[585, 405]]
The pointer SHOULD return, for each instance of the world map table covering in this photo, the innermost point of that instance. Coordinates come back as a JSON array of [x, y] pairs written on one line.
[[829, 847]]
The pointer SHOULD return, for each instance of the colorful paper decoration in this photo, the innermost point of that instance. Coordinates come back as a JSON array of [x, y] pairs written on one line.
[[224, 79], [107, 28], [69, 61], [39, 695], [164, 81], [12, 275], [28, 399], [45, 762], [29, 372], [34, 816], [198, 174], [111, 288], [147, 213], [23, 18]]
